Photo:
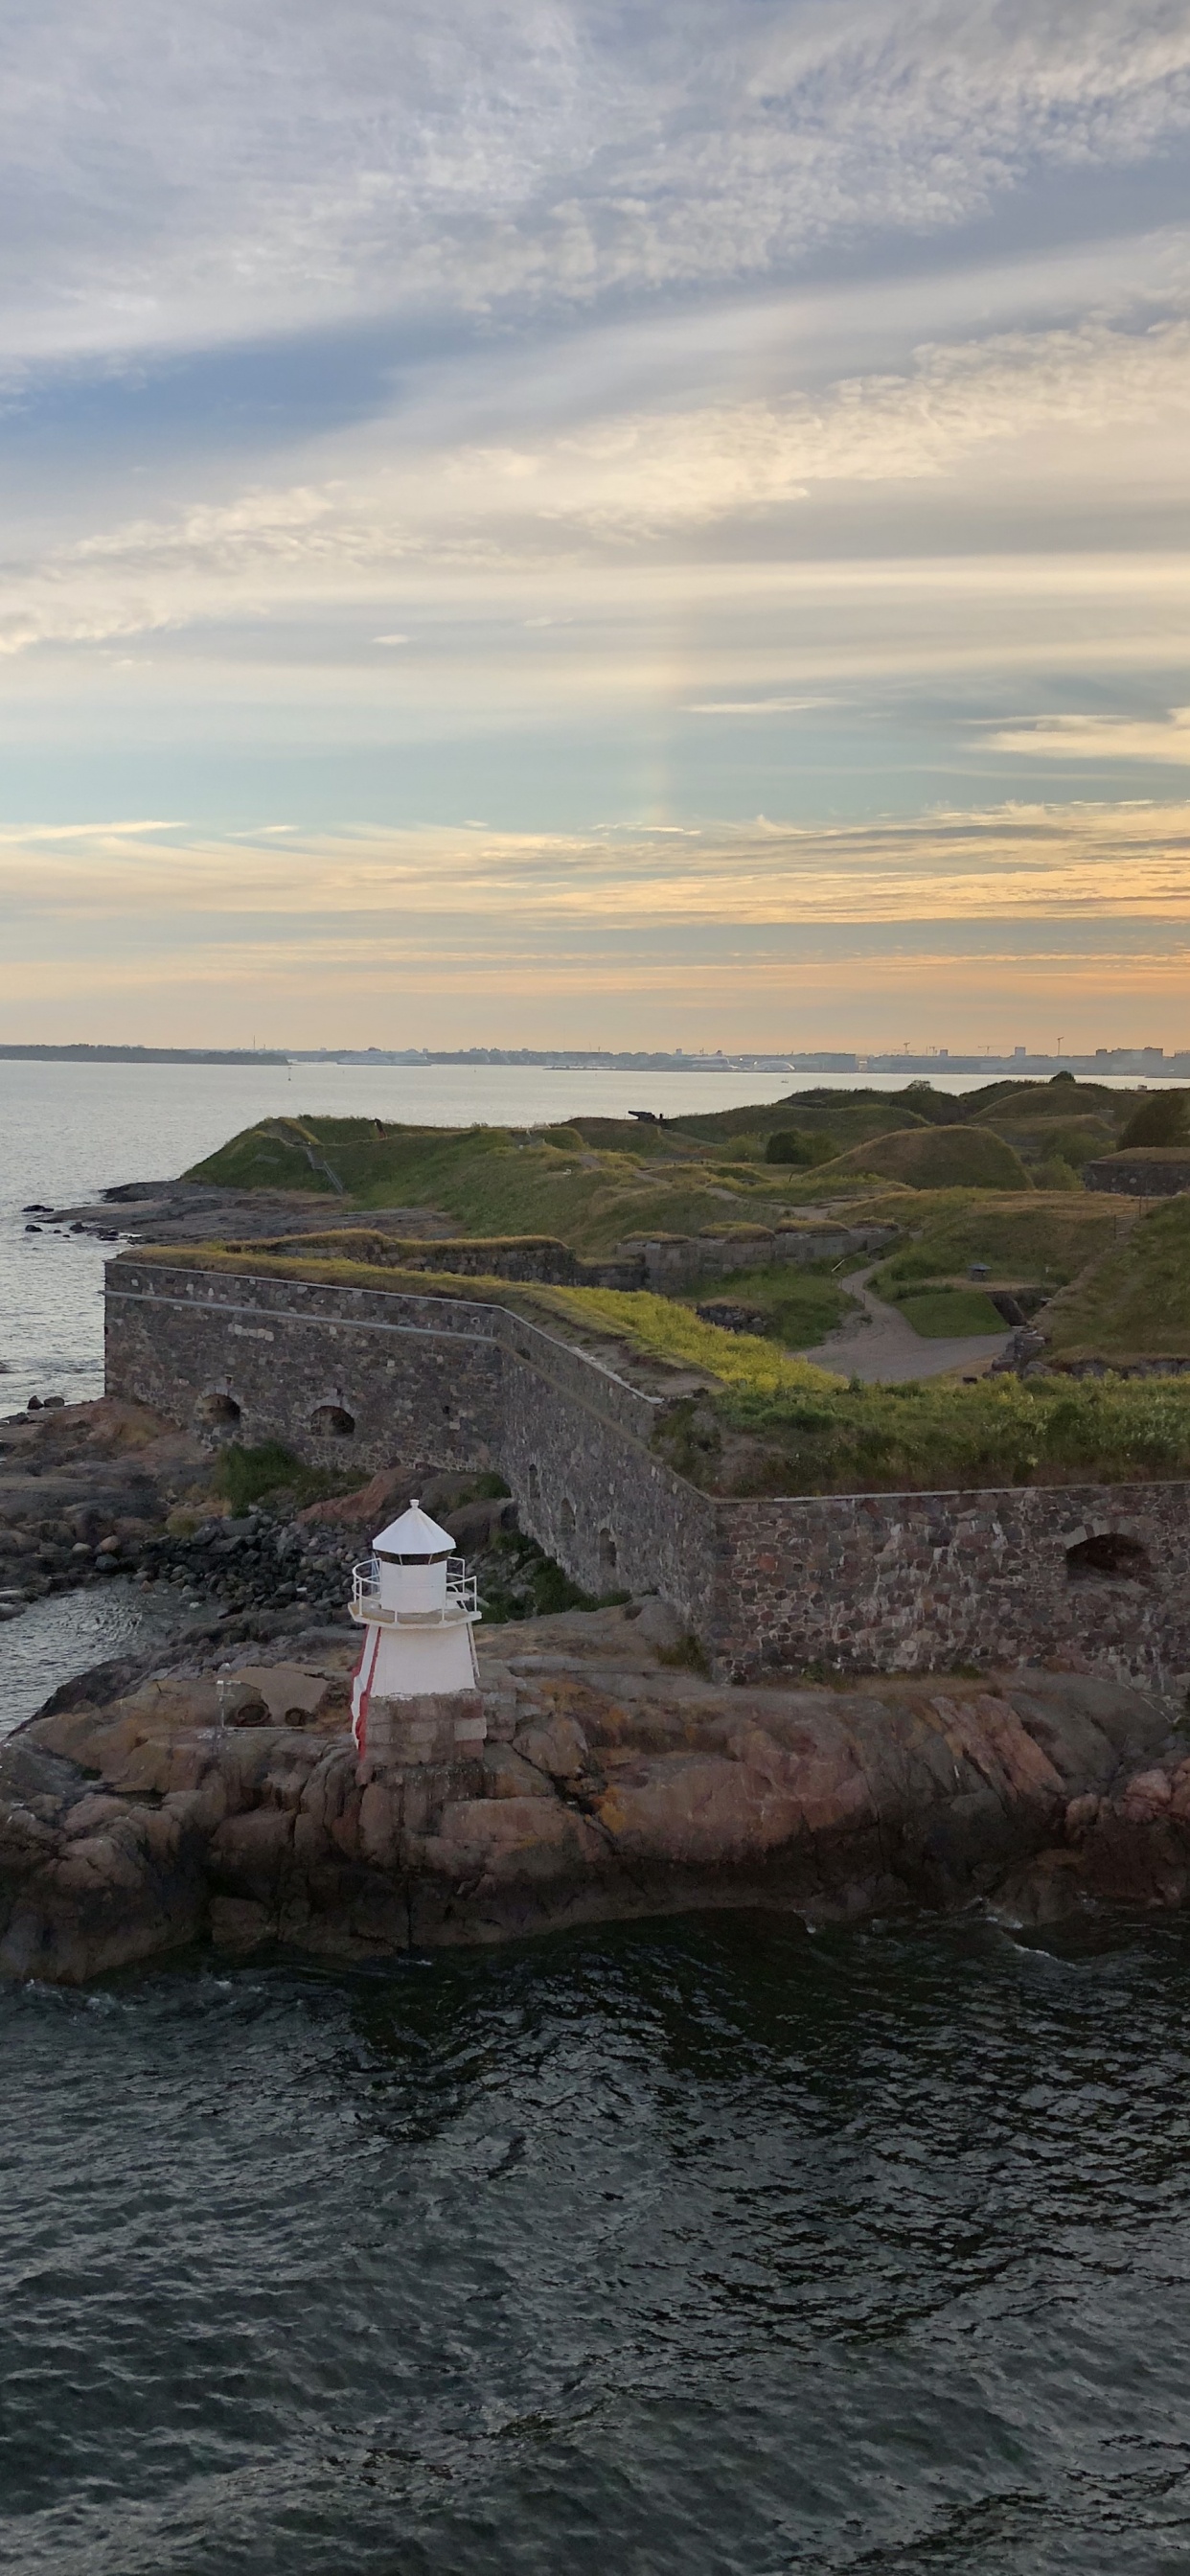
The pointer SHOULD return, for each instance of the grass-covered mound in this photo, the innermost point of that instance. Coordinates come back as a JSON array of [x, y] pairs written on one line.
[[932, 1437], [499, 1181], [1045, 1238], [937, 1158], [1135, 1302], [1043, 1141]]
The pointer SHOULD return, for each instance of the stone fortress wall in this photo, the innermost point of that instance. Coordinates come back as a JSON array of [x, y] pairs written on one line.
[[869, 1582], [664, 1262]]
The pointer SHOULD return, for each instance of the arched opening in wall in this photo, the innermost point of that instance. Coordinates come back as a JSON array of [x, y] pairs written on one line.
[[607, 1552], [218, 1412], [1106, 1557], [533, 1485], [332, 1422], [566, 1516]]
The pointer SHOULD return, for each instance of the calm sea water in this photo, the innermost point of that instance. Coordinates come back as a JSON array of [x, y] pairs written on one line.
[[701, 2249]]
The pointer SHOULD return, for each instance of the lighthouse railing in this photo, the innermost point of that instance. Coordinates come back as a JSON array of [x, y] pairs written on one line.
[[462, 1598]]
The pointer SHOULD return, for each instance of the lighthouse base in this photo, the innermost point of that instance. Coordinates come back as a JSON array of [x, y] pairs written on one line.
[[430, 1728]]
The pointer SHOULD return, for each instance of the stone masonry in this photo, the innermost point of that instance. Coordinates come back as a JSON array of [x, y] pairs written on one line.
[[1095, 1576]]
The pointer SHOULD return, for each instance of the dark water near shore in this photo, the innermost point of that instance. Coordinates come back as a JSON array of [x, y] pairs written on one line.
[[69, 1631], [701, 2248]]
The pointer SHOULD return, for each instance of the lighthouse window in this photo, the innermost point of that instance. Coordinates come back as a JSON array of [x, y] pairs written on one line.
[[332, 1422], [534, 1484], [607, 1551], [566, 1515]]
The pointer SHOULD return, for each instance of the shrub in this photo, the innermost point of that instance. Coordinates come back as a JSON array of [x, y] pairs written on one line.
[[247, 1476], [934, 1437], [1160, 1120], [792, 1145]]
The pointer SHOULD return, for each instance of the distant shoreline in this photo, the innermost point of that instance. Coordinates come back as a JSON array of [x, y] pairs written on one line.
[[139, 1055], [1107, 1064]]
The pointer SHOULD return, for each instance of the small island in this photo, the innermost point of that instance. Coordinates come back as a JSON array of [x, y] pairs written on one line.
[[756, 1630]]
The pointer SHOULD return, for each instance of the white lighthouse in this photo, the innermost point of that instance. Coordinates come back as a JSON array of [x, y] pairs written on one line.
[[417, 1605]]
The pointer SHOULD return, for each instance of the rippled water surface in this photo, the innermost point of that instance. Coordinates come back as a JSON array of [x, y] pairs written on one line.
[[697, 2248], [68, 1631]]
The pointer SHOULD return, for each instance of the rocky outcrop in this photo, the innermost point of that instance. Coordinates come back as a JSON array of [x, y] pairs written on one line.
[[83, 1490], [615, 1782]]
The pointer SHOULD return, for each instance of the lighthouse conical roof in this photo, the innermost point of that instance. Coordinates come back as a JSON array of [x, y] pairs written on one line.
[[414, 1534]]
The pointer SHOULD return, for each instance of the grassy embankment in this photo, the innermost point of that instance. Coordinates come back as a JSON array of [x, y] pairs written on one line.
[[1037, 1242], [931, 1437], [765, 1422], [594, 1195], [937, 1158], [1134, 1303], [499, 1181]]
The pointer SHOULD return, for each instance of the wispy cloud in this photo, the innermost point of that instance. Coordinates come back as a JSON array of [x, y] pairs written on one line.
[[1093, 738], [756, 706], [232, 169], [448, 935], [1024, 405]]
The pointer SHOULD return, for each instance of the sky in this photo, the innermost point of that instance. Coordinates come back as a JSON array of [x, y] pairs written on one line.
[[547, 524]]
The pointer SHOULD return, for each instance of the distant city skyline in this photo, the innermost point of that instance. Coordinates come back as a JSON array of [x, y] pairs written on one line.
[[556, 517]]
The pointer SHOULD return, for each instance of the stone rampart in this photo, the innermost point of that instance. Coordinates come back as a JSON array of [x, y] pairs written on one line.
[[339, 1374], [1097, 1576], [1152, 1172], [671, 1262], [920, 1582]]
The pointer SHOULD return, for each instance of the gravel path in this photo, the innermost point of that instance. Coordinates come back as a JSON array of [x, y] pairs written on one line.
[[880, 1347]]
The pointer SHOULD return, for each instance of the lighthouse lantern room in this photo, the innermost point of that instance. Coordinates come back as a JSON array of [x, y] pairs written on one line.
[[418, 1607]]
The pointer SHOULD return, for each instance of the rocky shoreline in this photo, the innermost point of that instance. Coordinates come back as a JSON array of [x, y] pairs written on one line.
[[89, 1491], [146, 1811]]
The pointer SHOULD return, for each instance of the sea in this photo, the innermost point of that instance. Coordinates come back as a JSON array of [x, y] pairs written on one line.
[[702, 2247]]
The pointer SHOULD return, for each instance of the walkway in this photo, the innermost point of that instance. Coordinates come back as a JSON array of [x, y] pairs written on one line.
[[878, 1345]]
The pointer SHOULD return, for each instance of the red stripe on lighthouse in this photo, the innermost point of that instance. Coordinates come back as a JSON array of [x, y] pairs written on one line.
[[361, 1691]]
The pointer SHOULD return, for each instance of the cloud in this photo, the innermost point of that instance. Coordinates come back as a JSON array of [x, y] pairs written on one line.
[[1003, 864], [747, 933], [1101, 738], [1026, 406], [208, 174], [756, 706]]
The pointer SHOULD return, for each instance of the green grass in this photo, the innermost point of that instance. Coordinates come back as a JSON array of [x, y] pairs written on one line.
[[1040, 1140], [245, 1476], [1135, 1302], [493, 1180], [1045, 1237], [931, 1437], [801, 1305], [943, 1314], [669, 1331], [938, 1158]]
